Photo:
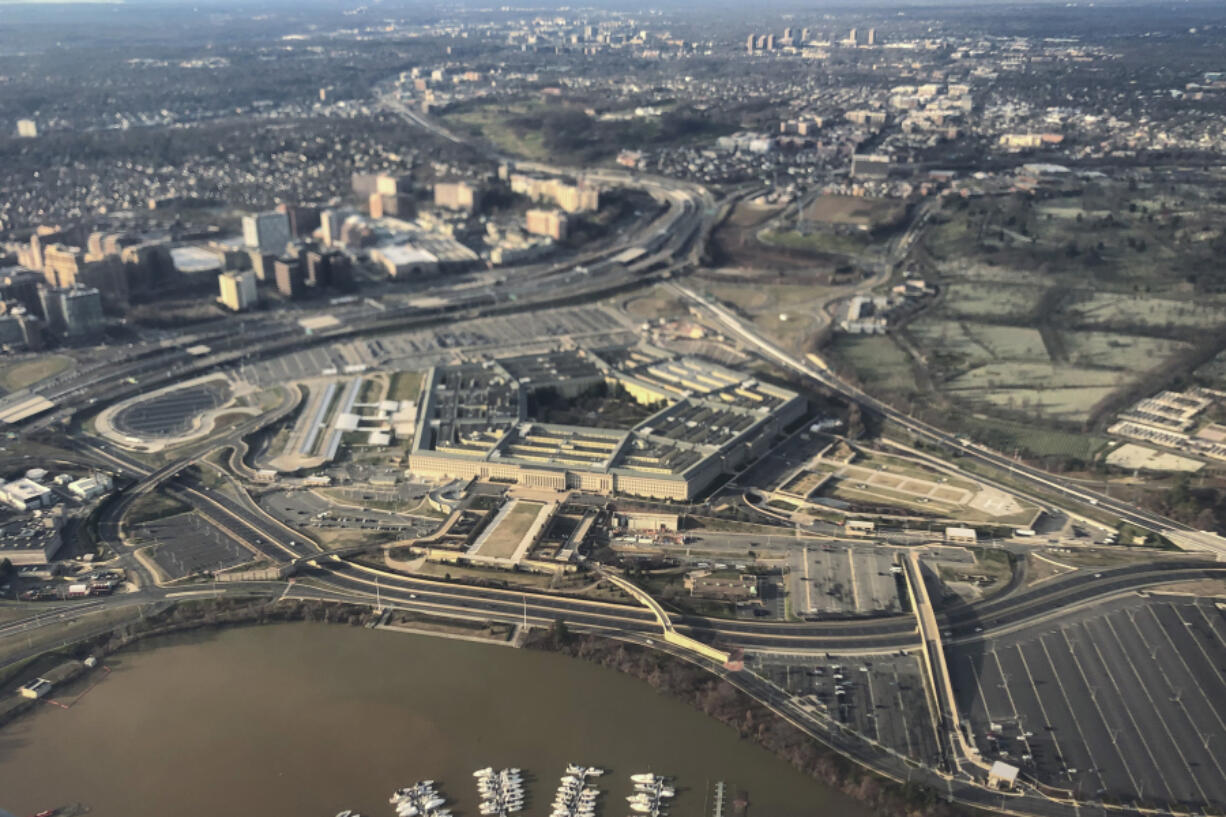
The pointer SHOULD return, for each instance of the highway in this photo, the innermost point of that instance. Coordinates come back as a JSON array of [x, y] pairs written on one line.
[[1038, 478], [886, 634]]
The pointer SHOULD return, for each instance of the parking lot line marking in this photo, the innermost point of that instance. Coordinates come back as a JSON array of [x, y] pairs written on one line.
[[1154, 706], [1136, 727], [855, 590], [872, 707], [1068, 704], [1004, 683], [1200, 647], [1214, 628], [1021, 654], [808, 582], [979, 686], [1187, 669], [902, 713]]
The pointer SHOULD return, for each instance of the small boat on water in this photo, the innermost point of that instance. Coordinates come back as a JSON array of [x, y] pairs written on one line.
[[487, 771], [645, 777]]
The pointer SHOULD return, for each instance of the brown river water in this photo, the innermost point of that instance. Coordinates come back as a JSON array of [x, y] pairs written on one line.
[[303, 720]]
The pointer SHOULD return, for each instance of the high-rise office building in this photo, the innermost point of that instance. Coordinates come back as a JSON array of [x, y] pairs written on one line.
[[872, 37], [303, 218], [851, 37], [268, 231], [340, 270], [330, 225], [318, 268], [237, 290], [749, 44], [20, 284], [289, 276], [74, 312]]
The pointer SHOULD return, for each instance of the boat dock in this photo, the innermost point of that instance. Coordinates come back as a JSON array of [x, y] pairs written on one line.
[[576, 797], [721, 798]]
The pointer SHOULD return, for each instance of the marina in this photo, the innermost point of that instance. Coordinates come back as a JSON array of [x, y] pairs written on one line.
[[421, 799], [652, 794], [502, 791], [576, 797]]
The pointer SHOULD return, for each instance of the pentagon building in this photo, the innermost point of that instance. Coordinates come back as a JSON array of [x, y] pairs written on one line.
[[472, 422]]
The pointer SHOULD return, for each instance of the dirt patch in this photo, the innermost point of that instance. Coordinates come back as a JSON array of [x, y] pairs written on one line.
[[735, 244], [856, 210]]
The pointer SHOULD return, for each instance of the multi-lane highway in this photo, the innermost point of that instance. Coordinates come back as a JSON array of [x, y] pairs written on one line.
[[1041, 480]]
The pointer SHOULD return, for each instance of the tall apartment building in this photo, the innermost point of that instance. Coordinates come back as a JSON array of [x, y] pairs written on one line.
[[457, 196], [268, 231], [577, 197], [238, 290], [552, 223], [391, 204]]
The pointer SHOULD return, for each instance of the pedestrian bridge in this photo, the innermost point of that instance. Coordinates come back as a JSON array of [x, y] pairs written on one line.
[[670, 633]]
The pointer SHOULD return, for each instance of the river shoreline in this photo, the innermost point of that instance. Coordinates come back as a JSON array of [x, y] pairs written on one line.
[[679, 679]]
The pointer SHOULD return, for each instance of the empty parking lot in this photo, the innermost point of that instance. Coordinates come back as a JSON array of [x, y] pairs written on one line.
[[1123, 703], [880, 697], [171, 414], [186, 544]]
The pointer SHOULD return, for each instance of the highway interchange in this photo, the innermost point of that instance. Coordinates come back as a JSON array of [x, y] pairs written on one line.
[[675, 239]]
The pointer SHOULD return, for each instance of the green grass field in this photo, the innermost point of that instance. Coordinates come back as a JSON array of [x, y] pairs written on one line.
[[505, 538], [493, 123], [405, 386], [878, 362], [153, 506], [815, 242]]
